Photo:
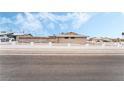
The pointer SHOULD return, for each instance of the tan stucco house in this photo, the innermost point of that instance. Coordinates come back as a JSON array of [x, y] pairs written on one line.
[[69, 37]]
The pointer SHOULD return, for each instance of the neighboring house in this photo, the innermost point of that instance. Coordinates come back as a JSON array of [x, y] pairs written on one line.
[[24, 39], [69, 37], [6, 36], [99, 39]]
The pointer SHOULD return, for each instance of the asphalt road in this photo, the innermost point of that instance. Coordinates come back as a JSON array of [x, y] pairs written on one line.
[[61, 67]]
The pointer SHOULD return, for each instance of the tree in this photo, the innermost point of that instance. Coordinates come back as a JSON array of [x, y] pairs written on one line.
[[122, 33]]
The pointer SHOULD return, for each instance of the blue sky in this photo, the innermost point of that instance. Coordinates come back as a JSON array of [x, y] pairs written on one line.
[[49, 23]]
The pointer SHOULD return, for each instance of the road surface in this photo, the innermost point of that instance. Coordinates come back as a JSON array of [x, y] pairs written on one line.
[[61, 67]]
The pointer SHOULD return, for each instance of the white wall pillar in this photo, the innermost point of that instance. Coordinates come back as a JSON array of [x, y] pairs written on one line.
[[103, 44], [10, 41], [69, 45], [118, 45], [32, 43], [50, 44], [14, 43], [86, 44]]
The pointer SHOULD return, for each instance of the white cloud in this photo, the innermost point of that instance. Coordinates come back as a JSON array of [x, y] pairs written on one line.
[[51, 26], [4, 20], [80, 19], [28, 23], [43, 23], [76, 19], [63, 26]]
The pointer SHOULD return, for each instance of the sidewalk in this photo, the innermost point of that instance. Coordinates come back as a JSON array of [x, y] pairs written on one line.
[[29, 50], [58, 47]]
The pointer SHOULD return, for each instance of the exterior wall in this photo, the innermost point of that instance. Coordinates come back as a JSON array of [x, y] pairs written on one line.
[[78, 40], [70, 38], [32, 39], [17, 37], [52, 39]]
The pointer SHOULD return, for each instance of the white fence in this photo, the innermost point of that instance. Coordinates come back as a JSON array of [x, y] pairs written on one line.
[[15, 44]]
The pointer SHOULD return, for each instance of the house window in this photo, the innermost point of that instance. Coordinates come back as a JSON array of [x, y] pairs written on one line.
[[72, 37], [66, 37]]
